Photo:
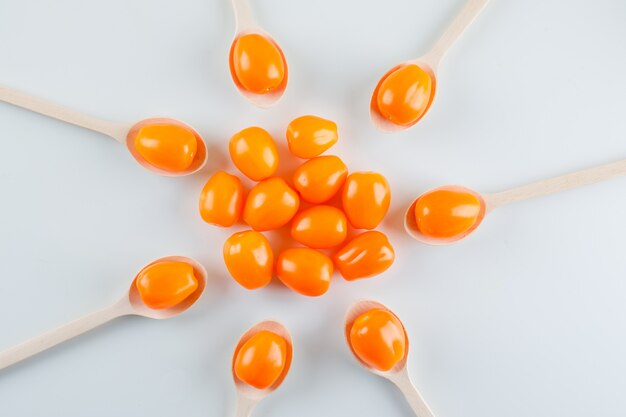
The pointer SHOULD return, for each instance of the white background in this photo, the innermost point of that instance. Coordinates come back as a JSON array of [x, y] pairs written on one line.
[[527, 317]]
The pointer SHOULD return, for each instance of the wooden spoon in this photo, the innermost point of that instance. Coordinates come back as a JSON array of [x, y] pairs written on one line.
[[398, 374], [247, 396], [124, 133], [129, 304], [489, 202], [428, 63], [245, 24]]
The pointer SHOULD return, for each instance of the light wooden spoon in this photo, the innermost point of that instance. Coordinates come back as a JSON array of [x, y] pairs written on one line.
[[123, 133], [398, 374], [489, 202], [429, 63], [248, 397], [246, 24], [129, 304]]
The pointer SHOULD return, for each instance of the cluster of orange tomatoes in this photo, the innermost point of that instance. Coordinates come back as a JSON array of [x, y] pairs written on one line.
[[317, 225]]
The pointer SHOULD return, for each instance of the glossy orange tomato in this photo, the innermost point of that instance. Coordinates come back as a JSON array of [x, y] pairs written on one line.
[[166, 146], [270, 204], [448, 213], [366, 198], [310, 136], [260, 361], [304, 270], [404, 95], [221, 199], [166, 284], [378, 338], [320, 227], [257, 63], [249, 259], [319, 179], [365, 256], [254, 152]]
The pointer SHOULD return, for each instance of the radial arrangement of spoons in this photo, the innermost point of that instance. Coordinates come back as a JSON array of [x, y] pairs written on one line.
[[321, 205], [328, 213]]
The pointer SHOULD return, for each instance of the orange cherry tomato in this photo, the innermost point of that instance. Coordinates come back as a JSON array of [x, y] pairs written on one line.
[[166, 146], [270, 204], [257, 64], [404, 95], [320, 227], [304, 270], [365, 256], [310, 136], [366, 197], [378, 339], [249, 259], [319, 179], [448, 213], [221, 199], [166, 284], [254, 153], [260, 361]]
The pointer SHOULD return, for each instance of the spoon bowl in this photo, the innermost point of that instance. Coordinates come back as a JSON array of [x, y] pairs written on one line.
[[382, 123], [398, 374], [411, 227], [140, 309], [247, 391], [199, 159], [246, 25], [270, 98], [357, 309]]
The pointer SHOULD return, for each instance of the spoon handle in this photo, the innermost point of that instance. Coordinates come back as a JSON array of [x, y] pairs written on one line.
[[471, 10], [245, 406], [61, 334], [244, 19], [117, 131], [412, 395], [556, 184]]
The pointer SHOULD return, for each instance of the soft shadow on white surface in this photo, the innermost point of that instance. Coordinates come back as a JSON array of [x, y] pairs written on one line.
[[525, 317]]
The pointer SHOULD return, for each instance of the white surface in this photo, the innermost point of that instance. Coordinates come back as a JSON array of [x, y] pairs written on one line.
[[525, 318]]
